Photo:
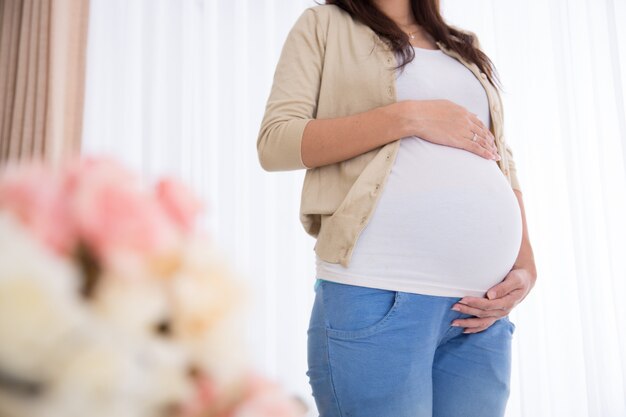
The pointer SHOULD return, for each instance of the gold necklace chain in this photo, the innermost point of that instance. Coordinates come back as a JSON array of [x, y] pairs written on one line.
[[411, 34]]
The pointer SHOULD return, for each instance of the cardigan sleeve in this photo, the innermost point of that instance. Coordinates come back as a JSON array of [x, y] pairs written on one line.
[[515, 184], [292, 101]]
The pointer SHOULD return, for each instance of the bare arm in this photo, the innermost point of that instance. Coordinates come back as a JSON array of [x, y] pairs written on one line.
[[525, 258], [327, 141]]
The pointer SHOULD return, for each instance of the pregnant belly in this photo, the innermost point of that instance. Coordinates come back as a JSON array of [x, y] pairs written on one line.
[[445, 216]]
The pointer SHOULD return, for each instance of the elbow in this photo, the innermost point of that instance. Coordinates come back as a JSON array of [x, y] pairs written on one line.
[[267, 163], [272, 160], [263, 161], [279, 146], [271, 157]]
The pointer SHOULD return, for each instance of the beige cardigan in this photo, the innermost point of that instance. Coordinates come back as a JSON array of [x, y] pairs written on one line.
[[334, 66]]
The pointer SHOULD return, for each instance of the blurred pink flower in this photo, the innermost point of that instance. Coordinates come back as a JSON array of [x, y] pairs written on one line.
[[205, 397], [136, 235], [113, 213], [266, 398], [179, 202], [34, 194]]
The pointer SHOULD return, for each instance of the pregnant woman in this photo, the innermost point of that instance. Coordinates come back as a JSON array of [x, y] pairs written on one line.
[[412, 194]]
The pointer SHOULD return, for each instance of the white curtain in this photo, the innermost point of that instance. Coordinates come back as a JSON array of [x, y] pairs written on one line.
[[180, 87]]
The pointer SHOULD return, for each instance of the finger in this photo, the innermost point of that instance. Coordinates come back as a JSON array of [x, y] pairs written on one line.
[[491, 146], [485, 304], [473, 322], [475, 329], [485, 128], [512, 282], [490, 139], [479, 312], [483, 136], [478, 329], [487, 142], [477, 148], [486, 133], [481, 139]]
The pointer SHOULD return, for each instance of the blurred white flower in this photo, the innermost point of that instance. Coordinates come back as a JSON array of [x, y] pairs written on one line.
[[208, 309], [113, 305], [58, 359]]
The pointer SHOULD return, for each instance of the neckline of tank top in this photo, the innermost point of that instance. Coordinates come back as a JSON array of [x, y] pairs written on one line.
[[417, 48]]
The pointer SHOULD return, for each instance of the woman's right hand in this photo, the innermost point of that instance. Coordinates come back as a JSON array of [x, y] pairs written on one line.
[[447, 123]]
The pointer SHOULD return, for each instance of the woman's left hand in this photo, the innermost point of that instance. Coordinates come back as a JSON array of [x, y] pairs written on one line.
[[501, 299]]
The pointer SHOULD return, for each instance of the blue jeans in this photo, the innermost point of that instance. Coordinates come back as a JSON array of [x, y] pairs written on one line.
[[382, 353]]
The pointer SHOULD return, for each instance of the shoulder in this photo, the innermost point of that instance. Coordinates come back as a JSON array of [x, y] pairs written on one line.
[[316, 21], [329, 11], [325, 14]]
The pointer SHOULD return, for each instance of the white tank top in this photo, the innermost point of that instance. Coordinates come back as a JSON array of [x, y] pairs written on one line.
[[447, 221]]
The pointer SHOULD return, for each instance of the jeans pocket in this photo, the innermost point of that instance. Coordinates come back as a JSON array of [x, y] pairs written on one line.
[[353, 311]]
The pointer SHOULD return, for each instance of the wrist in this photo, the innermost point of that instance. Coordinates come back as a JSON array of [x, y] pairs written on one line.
[[406, 121], [530, 268]]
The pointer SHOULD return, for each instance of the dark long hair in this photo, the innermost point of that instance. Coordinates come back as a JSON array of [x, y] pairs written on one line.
[[427, 15]]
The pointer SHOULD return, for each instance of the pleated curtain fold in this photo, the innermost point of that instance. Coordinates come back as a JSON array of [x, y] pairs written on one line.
[[42, 77]]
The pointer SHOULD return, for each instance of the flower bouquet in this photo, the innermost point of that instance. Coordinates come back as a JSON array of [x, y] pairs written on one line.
[[113, 304]]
